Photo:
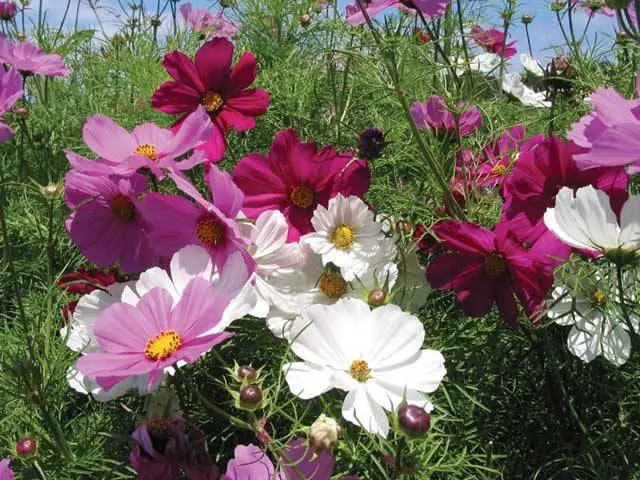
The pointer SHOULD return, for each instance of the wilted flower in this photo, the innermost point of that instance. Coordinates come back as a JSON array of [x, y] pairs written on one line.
[[371, 143]]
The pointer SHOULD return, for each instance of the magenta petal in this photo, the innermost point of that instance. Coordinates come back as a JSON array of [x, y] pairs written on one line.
[[243, 74], [225, 194], [175, 98], [215, 146], [213, 61], [183, 71], [252, 102], [465, 237]]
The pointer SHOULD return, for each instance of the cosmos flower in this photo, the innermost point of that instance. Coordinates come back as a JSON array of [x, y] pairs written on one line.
[[493, 41], [175, 221], [531, 65], [435, 116], [374, 355], [485, 268], [147, 146], [295, 178], [586, 220], [428, 8], [512, 84], [5, 471], [30, 60], [203, 21], [8, 11], [10, 92], [347, 236], [608, 135], [210, 80], [105, 222]]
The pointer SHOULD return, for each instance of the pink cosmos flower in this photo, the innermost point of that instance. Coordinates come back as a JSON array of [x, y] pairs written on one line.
[[497, 159], [250, 463], [609, 135], [493, 40], [542, 169], [147, 146], [8, 10], [176, 221], [429, 8], [30, 60], [203, 21], [210, 81], [5, 471], [487, 267], [164, 448], [434, 116], [153, 335], [295, 178], [10, 91], [105, 223]]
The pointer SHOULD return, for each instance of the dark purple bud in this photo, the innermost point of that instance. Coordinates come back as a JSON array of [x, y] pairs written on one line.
[[376, 297], [414, 419], [26, 447], [247, 371], [251, 395], [371, 143]]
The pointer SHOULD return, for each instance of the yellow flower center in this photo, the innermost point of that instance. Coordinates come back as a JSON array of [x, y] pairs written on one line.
[[343, 236], [147, 150], [122, 208], [494, 265], [332, 285], [599, 298], [163, 345], [301, 196], [360, 370], [499, 169], [212, 102], [209, 231]]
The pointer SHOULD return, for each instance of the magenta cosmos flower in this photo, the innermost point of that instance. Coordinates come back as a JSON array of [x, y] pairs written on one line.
[[295, 178], [542, 169], [435, 116], [148, 145], [486, 267], [8, 10], [105, 222], [428, 8], [176, 222], [5, 471], [493, 40], [155, 334], [609, 135], [10, 91], [210, 81], [203, 21], [30, 60]]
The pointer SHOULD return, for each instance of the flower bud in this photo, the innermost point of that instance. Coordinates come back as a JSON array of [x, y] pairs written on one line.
[[251, 395], [21, 112], [620, 4], [305, 20], [526, 18], [21, 37], [324, 433], [156, 22], [247, 371], [227, 3], [51, 190], [26, 447], [557, 5], [414, 420], [376, 297]]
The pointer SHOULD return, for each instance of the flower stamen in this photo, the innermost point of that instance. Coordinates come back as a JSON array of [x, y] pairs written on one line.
[[122, 208], [343, 236], [212, 102], [301, 196], [147, 150], [163, 345], [360, 370], [332, 285], [494, 265], [209, 231]]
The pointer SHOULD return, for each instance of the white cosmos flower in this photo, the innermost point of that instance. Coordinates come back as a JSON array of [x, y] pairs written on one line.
[[376, 356], [598, 325], [347, 235], [587, 221], [512, 84], [531, 65], [276, 262], [189, 263], [487, 63]]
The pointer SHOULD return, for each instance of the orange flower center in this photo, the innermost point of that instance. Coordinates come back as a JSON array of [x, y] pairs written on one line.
[[302, 196], [212, 102], [147, 150], [332, 285], [122, 208], [599, 298], [343, 236], [499, 169], [163, 345], [209, 231], [494, 265], [360, 370]]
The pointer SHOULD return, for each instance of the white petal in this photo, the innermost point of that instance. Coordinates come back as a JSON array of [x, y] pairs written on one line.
[[307, 380], [616, 346], [594, 208], [190, 262], [422, 373], [360, 409], [271, 232], [630, 223], [153, 278]]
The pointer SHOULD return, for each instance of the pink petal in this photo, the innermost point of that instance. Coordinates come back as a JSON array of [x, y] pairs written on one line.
[[108, 139]]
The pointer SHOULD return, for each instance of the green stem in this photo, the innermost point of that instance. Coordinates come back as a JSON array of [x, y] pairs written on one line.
[[526, 29], [462, 36]]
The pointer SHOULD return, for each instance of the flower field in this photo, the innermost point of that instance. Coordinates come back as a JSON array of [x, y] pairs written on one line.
[[313, 240]]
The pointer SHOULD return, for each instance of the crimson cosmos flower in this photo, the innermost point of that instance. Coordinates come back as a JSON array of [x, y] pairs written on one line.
[[211, 81]]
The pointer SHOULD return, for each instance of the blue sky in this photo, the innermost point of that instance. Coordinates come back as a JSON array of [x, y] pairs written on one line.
[[544, 30]]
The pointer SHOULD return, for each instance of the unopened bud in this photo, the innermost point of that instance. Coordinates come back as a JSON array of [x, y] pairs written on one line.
[[26, 447], [251, 395], [324, 433], [414, 420]]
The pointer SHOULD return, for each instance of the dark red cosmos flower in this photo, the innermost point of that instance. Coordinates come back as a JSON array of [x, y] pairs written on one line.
[[542, 169], [485, 268], [493, 40], [211, 81], [83, 281], [295, 177]]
